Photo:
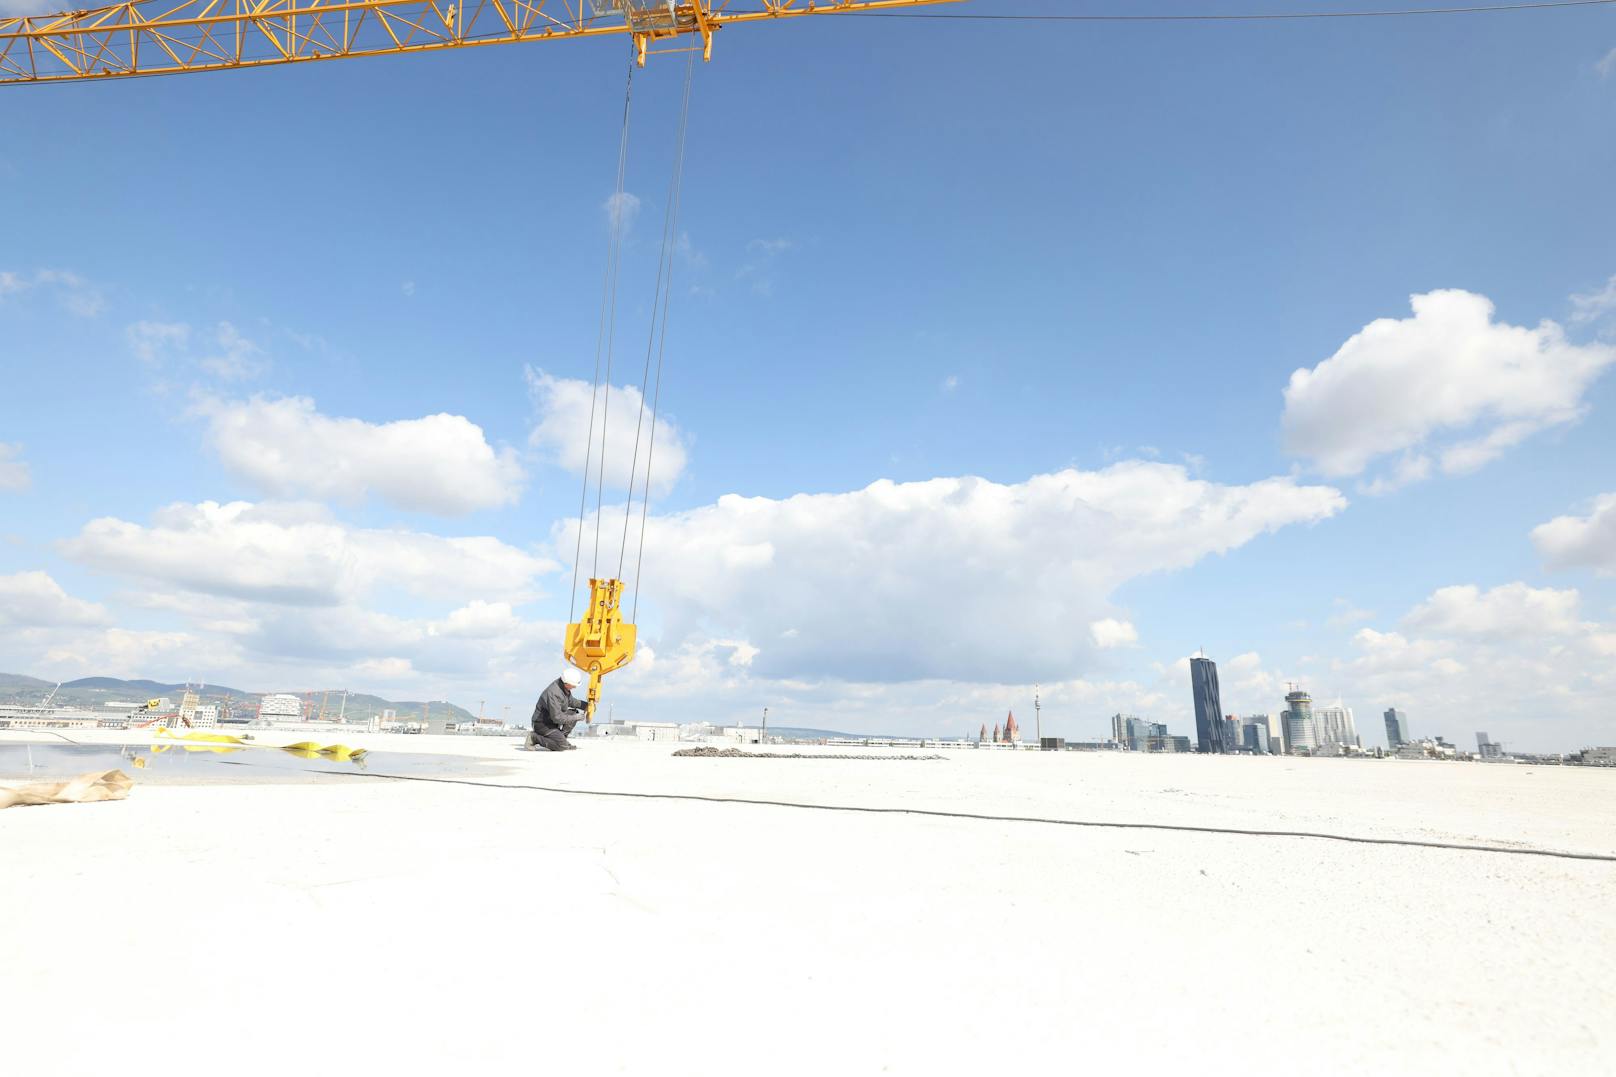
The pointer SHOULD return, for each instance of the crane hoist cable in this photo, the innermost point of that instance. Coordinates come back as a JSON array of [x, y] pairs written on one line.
[[608, 300], [600, 641], [658, 333]]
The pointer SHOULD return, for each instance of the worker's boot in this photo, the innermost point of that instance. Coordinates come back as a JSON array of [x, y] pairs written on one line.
[[532, 739]]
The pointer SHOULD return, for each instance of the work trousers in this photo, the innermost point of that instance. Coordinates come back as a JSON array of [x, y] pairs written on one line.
[[552, 738]]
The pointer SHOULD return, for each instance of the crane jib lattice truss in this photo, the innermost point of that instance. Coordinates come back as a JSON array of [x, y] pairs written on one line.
[[160, 37]]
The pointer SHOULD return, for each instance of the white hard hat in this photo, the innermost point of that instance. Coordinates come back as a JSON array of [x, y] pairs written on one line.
[[572, 677]]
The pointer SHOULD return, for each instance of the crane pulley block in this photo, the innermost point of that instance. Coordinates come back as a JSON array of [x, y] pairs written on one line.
[[601, 641]]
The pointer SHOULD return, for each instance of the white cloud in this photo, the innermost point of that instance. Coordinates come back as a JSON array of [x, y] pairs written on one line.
[[232, 357], [1607, 64], [73, 293], [759, 269], [905, 581], [1411, 468], [156, 342], [1521, 662], [478, 620], [1109, 632], [439, 463], [1383, 653], [561, 431], [33, 599], [1448, 384], [621, 209], [951, 383], [1591, 306], [14, 473], [770, 247], [1581, 541], [298, 555], [221, 351], [1347, 614], [1510, 611], [122, 652]]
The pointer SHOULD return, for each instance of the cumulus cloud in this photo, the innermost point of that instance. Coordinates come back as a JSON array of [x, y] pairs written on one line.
[[14, 473], [1581, 541], [478, 620], [34, 599], [439, 463], [1522, 662], [1384, 653], [562, 408], [122, 652], [1449, 387], [1110, 632], [1509, 611], [298, 555], [954, 578]]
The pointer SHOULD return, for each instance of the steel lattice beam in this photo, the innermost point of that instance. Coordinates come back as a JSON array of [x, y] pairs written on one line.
[[160, 37]]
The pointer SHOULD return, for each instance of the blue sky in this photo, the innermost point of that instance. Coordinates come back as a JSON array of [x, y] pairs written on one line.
[[913, 251]]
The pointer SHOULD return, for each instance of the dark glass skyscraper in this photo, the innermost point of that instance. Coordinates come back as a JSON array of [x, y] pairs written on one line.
[[1396, 728], [1208, 707]]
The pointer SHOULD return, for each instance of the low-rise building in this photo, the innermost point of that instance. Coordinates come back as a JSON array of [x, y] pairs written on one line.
[[280, 705]]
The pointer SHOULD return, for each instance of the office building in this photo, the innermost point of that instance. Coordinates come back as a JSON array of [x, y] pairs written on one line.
[[1334, 725], [1396, 728], [1232, 739], [1272, 736], [1137, 735], [283, 706], [1488, 748], [1254, 734], [1208, 706]]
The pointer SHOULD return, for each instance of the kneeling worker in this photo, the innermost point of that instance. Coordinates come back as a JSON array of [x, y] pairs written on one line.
[[557, 712]]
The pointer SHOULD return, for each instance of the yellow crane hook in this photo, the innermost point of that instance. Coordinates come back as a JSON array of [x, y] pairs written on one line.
[[602, 641]]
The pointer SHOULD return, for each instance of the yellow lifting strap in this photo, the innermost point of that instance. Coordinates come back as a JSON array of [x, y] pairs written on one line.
[[602, 641]]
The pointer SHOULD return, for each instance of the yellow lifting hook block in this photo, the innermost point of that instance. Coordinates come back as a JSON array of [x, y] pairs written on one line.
[[602, 641]]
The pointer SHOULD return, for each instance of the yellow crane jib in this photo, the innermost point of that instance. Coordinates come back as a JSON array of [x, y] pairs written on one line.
[[602, 641], [164, 37]]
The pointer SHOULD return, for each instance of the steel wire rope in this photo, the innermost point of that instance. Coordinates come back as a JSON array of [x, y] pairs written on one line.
[[608, 283], [663, 297], [656, 394]]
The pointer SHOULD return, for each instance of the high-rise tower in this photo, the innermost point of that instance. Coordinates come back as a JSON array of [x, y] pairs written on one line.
[[1208, 707], [1396, 728], [1298, 721]]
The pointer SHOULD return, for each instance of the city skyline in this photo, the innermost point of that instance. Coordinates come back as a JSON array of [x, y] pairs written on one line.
[[1064, 418]]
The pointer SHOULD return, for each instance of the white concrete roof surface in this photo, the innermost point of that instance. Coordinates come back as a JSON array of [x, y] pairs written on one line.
[[410, 927]]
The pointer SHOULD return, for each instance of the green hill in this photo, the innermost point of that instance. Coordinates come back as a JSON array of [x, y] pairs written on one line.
[[94, 691]]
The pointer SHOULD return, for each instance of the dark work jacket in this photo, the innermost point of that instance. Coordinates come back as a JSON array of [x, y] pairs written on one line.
[[554, 703]]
